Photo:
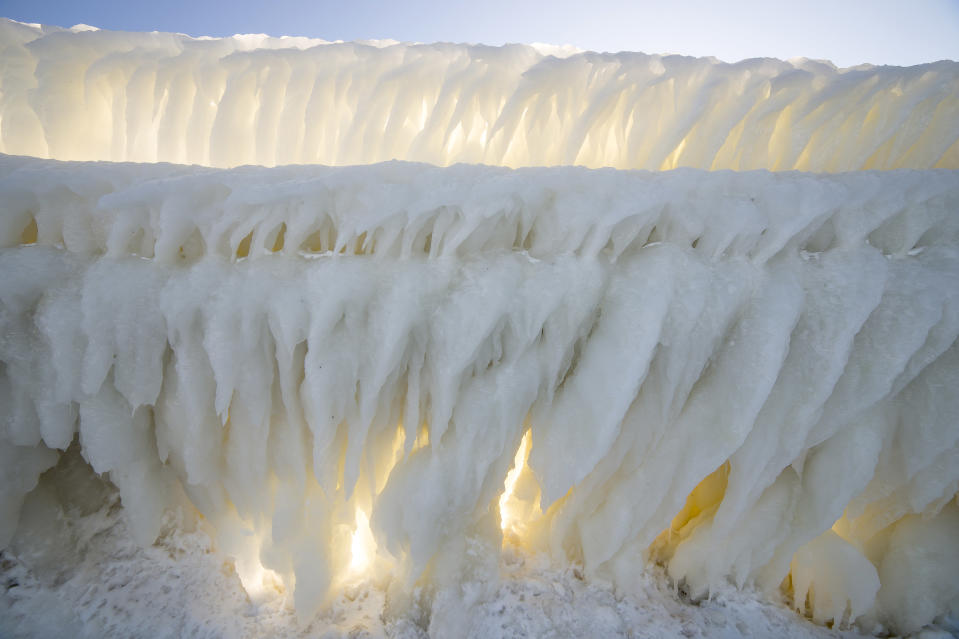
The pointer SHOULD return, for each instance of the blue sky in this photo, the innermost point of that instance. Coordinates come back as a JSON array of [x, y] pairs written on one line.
[[846, 32]]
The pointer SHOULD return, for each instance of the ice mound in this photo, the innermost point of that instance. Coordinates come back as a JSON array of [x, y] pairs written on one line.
[[387, 372], [101, 95]]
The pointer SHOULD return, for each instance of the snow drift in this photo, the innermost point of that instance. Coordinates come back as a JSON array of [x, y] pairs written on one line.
[[388, 372]]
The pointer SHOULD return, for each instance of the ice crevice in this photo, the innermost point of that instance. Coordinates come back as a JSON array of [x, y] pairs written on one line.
[[727, 372]]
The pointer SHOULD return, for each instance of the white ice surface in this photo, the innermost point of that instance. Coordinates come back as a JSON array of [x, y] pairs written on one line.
[[404, 382], [251, 99], [715, 369]]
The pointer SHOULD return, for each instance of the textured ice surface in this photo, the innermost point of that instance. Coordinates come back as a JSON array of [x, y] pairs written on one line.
[[100, 95], [716, 370], [404, 378], [97, 583]]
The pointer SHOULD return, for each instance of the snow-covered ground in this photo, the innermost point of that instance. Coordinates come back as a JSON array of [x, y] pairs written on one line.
[[91, 580]]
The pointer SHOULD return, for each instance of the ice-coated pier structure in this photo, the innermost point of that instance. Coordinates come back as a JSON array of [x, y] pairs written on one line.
[[389, 370], [161, 97]]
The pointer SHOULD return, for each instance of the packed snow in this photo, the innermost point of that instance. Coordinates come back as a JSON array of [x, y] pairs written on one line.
[[147, 97]]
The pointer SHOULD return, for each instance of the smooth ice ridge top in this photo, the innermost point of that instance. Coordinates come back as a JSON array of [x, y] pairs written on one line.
[[147, 97], [386, 371]]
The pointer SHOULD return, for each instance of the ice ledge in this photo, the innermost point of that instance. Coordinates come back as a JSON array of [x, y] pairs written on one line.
[[178, 214]]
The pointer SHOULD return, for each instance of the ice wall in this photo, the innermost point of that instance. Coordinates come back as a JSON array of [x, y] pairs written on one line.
[[95, 95], [388, 372], [744, 375]]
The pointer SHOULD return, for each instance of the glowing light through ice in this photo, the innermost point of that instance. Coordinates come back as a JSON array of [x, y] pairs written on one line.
[[362, 545], [508, 511], [259, 582]]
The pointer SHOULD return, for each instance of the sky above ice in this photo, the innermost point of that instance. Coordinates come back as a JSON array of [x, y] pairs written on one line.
[[847, 32]]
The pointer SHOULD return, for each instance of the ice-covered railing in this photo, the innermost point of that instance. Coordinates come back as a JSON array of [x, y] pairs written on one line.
[[175, 214], [97, 95], [384, 371]]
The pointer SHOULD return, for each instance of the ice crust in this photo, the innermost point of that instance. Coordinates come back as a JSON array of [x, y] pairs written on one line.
[[147, 97], [731, 373]]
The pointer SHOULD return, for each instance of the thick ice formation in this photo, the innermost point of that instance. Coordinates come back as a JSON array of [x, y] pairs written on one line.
[[725, 371], [96, 95], [387, 372]]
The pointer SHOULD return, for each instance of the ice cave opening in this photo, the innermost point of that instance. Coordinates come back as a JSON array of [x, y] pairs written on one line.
[[383, 313]]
